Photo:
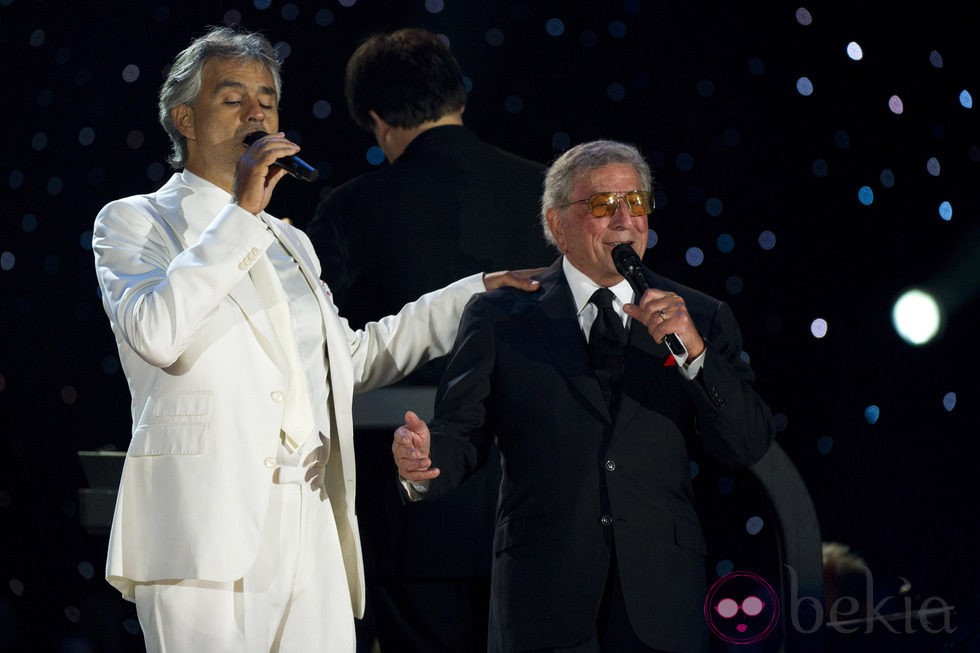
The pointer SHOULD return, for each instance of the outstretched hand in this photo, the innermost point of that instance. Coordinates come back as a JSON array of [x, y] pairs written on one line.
[[410, 448], [520, 279]]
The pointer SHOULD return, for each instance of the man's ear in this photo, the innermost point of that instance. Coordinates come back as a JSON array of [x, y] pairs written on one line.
[[555, 225], [381, 128], [183, 117]]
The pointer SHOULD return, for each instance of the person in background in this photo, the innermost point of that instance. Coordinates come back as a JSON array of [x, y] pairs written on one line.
[[448, 204], [234, 527], [598, 546]]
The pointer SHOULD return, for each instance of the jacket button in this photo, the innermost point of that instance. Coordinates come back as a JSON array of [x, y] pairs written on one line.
[[277, 396], [606, 520], [610, 465], [269, 462]]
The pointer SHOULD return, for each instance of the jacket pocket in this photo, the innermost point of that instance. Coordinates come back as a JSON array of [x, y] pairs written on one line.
[[517, 531], [174, 424], [688, 535]]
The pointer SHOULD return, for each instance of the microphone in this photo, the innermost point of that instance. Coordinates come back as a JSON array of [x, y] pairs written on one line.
[[628, 264], [294, 165]]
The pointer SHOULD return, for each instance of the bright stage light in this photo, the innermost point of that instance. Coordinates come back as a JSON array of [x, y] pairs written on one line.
[[916, 316]]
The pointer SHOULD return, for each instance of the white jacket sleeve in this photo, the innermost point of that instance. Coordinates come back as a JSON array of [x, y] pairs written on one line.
[[157, 293]]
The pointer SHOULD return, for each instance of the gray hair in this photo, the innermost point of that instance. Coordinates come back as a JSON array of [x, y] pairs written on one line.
[[183, 82], [581, 159]]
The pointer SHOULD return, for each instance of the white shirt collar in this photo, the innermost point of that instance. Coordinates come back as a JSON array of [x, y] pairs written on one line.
[[583, 287], [202, 184], [214, 197]]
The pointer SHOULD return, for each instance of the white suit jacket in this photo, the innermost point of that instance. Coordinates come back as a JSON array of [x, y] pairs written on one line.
[[205, 374]]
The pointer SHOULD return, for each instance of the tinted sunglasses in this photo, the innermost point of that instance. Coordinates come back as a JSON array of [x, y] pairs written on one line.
[[605, 204]]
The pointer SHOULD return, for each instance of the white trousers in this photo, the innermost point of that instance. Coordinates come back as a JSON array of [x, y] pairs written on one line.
[[295, 597]]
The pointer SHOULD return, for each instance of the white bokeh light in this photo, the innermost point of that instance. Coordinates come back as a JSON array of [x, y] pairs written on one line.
[[916, 316], [818, 327]]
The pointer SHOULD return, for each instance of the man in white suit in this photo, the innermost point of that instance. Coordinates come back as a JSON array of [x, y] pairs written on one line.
[[234, 529]]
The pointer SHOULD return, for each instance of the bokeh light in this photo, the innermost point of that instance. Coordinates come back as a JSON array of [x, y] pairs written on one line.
[[871, 414], [804, 86], [818, 328], [916, 316], [895, 105]]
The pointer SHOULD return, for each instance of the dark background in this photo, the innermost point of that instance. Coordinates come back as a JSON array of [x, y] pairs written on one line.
[[709, 93]]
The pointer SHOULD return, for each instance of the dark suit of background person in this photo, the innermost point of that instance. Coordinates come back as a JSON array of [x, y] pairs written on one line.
[[593, 499], [447, 203]]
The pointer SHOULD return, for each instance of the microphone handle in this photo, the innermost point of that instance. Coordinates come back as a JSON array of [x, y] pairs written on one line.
[[294, 165], [639, 284], [298, 168]]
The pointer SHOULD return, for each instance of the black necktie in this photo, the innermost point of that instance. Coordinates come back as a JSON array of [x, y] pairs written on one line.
[[607, 346]]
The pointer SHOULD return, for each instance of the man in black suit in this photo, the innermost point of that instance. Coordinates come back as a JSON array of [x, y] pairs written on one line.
[[597, 543], [448, 202]]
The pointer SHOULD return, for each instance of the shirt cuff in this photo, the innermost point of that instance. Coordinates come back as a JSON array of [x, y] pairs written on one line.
[[689, 367], [414, 490]]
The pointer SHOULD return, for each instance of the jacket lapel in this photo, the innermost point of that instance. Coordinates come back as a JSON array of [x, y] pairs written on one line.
[[643, 358], [188, 212], [294, 249], [556, 325], [337, 345], [645, 361]]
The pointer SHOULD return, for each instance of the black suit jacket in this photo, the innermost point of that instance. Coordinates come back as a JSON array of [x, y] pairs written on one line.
[[520, 373], [451, 205]]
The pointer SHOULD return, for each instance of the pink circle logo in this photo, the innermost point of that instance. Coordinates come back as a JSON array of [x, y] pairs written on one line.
[[741, 608]]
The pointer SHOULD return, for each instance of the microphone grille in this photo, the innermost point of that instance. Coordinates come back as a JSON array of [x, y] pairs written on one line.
[[624, 258]]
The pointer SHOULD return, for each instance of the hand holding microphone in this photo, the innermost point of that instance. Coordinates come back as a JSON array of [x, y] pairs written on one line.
[[628, 264], [267, 159], [294, 165]]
